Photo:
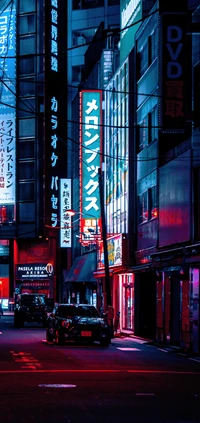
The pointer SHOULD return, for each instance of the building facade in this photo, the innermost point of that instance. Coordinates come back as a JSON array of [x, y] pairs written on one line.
[[32, 156]]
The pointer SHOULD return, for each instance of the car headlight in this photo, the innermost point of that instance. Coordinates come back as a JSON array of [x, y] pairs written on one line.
[[66, 323]]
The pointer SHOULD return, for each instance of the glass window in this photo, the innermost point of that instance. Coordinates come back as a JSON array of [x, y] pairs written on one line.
[[27, 65], [153, 124], [142, 207], [27, 212], [27, 45], [143, 133], [153, 204], [26, 170], [26, 107], [27, 24], [26, 191], [27, 87], [26, 128], [144, 59], [77, 73], [86, 4], [26, 149], [26, 6]]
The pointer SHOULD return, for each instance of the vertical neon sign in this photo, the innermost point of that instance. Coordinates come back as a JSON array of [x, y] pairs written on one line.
[[90, 160]]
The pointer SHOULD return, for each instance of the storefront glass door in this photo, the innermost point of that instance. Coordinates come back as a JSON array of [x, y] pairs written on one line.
[[128, 302]]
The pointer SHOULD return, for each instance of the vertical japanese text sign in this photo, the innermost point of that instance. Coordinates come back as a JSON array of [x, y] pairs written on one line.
[[90, 156], [8, 104], [174, 71]]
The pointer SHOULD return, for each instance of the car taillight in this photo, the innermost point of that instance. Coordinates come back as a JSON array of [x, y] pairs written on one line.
[[65, 323]]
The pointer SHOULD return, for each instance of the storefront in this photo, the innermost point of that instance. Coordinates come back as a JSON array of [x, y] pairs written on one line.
[[35, 278], [121, 282], [79, 284]]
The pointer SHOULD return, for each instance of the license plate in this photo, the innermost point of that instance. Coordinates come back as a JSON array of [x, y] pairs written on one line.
[[86, 333]]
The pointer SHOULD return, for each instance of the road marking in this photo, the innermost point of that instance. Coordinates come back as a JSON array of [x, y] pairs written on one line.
[[128, 349], [26, 358], [147, 394], [160, 349], [194, 359], [136, 371], [57, 386]]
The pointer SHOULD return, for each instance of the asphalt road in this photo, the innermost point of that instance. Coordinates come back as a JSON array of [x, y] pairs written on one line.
[[131, 381]]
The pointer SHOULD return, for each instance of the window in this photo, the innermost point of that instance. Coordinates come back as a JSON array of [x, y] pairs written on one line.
[[153, 203], [148, 205], [27, 65], [26, 128], [152, 47], [143, 133], [143, 59], [153, 125], [87, 4], [26, 191], [26, 149], [27, 24], [27, 6], [27, 45], [142, 207], [26, 107], [26, 170], [77, 73], [27, 212], [27, 87], [148, 129]]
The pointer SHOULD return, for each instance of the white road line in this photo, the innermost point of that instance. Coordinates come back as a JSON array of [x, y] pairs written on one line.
[[128, 349], [147, 394], [160, 349], [56, 386], [194, 359]]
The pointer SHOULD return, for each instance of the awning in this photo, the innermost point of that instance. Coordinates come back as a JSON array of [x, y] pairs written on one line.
[[83, 268]]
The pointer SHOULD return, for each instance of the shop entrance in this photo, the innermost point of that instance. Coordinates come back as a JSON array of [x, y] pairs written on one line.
[[128, 308]]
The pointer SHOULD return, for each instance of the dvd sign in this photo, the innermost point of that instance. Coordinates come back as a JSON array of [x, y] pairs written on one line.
[[174, 72], [174, 47]]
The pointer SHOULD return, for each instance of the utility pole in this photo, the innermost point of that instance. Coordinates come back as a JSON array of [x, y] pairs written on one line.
[[104, 233]]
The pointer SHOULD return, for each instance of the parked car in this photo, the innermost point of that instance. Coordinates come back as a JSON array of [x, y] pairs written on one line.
[[77, 323], [30, 308]]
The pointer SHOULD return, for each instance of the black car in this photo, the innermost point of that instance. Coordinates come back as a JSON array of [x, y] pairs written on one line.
[[30, 308], [78, 323]]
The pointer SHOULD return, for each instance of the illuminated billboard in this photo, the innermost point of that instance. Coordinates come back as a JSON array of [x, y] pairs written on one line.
[[130, 12], [65, 219], [90, 162], [8, 113], [174, 71]]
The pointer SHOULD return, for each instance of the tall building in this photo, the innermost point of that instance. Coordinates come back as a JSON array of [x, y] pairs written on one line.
[[33, 154]]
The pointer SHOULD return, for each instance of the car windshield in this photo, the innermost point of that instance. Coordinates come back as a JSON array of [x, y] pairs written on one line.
[[32, 300], [80, 310]]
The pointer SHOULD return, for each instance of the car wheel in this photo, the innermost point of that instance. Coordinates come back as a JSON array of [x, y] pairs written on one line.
[[58, 338], [48, 336]]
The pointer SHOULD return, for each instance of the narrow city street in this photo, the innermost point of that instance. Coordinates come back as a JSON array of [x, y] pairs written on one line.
[[130, 381]]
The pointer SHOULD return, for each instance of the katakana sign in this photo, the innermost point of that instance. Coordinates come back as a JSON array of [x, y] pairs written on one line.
[[90, 152]]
